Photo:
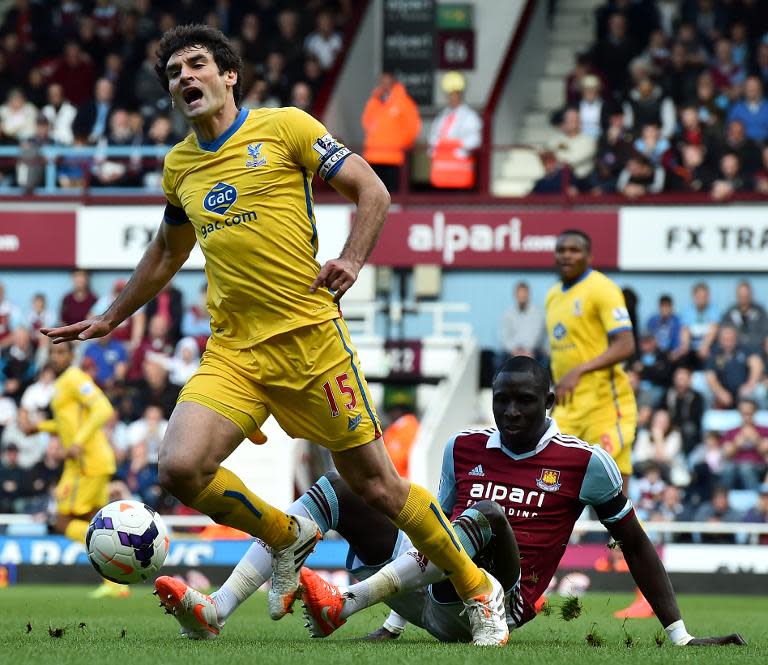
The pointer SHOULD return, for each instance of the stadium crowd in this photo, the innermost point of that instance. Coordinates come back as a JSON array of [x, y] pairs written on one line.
[[82, 74], [669, 98]]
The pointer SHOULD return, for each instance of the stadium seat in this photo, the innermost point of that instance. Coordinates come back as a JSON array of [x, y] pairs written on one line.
[[720, 420]]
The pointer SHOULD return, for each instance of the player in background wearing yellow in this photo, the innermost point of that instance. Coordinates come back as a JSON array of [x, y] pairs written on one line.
[[80, 410], [590, 336], [239, 185]]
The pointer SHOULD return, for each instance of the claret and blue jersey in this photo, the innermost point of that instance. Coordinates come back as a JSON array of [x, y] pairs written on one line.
[[542, 492]]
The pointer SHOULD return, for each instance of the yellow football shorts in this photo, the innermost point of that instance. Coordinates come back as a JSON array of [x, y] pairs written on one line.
[[612, 431], [80, 495], [309, 379]]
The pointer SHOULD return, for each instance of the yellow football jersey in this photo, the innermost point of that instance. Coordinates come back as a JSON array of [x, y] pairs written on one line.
[[580, 321], [249, 197], [80, 409]]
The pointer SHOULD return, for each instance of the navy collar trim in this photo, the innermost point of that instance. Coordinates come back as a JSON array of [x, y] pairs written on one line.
[[584, 275], [213, 146]]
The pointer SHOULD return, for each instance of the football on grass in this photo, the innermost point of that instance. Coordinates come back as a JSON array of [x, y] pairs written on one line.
[[127, 542]]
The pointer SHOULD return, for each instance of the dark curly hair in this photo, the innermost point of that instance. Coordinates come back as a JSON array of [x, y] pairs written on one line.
[[185, 36]]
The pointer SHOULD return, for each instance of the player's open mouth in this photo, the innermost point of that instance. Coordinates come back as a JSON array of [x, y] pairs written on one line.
[[192, 95]]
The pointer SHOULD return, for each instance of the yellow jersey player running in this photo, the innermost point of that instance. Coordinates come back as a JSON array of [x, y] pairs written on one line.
[[240, 186], [80, 410]]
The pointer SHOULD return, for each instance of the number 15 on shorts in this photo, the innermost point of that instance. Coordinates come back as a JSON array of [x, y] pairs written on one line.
[[347, 394]]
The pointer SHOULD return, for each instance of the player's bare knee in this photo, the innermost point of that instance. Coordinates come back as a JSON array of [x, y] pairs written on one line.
[[180, 477], [377, 495]]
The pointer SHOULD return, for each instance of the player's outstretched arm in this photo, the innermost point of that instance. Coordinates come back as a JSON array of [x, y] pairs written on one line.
[[161, 261], [357, 182], [653, 581]]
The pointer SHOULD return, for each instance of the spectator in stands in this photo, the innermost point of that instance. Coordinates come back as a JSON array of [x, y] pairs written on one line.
[[147, 91], [92, 120], [154, 388], [185, 361], [735, 140], [669, 509], [707, 18], [574, 148], [130, 331], [60, 115], [301, 96], [685, 407], [679, 76], [313, 74], [259, 96], [169, 305], [745, 451], [324, 42], [277, 78], [734, 371], [653, 367], [593, 110], [646, 104], [665, 327], [727, 75], [391, 124], [523, 326], [196, 321], [758, 514], [747, 317], [118, 172], [141, 476], [653, 144], [110, 358], [39, 316], [691, 173], [650, 489], [573, 89], [717, 511], [12, 479], [640, 177], [760, 68], [18, 365], [42, 478], [740, 44], [76, 304], [253, 44], [556, 178], [691, 130], [731, 178], [17, 116], [661, 444], [613, 151], [75, 71], [160, 134], [288, 41], [752, 111], [156, 342], [613, 52], [657, 53], [148, 431], [711, 106], [699, 327], [455, 133]]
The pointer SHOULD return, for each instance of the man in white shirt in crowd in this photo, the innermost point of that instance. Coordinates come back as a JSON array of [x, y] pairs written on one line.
[[523, 330]]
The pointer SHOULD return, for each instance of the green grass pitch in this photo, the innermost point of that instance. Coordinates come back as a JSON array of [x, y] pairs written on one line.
[[134, 631]]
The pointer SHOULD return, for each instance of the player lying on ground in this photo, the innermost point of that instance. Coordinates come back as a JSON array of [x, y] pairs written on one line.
[[525, 476]]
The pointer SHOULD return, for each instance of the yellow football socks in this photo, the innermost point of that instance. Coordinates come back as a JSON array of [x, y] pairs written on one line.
[[431, 532], [228, 501], [76, 530]]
